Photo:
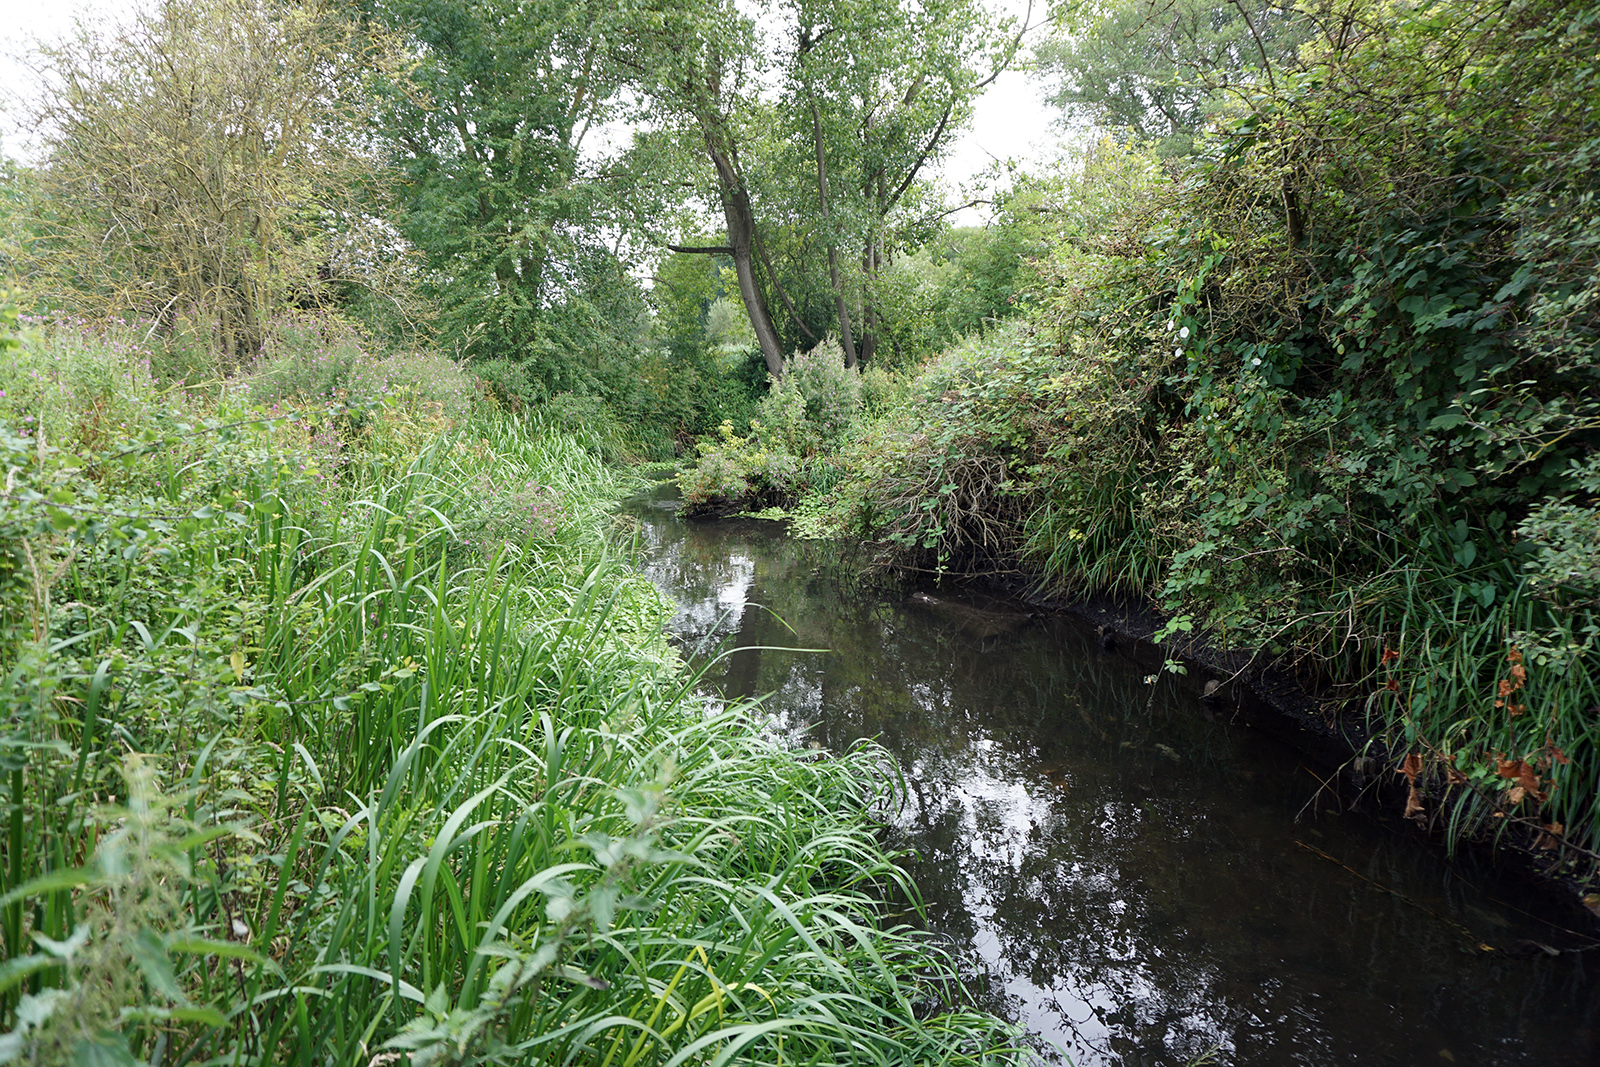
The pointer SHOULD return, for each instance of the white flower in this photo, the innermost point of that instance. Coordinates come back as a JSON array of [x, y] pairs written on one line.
[[1256, 362], [1183, 334], [1176, 353], [1170, 325]]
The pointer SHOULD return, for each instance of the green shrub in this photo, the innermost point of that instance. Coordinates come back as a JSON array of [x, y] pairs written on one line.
[[509, 382], [319, 359], [739, 472], [939, 482], [717, 479], [804, 418], [882, 391], [1561, 540], [812, 406]]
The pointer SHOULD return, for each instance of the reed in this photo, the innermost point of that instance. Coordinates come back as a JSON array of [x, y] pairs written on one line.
[[418, 777]]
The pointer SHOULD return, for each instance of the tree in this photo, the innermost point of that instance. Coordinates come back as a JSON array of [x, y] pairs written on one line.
[[867, 97], [878, 90], [696, 65], [1154, 68], [203, 163], [489, 129]]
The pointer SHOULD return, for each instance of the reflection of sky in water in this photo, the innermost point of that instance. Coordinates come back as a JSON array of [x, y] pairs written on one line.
[[710, 590], [1123, 874], [1002, 821]]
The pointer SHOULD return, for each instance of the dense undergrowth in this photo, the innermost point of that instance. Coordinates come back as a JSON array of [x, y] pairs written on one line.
[[1327, 389], [333, 734]]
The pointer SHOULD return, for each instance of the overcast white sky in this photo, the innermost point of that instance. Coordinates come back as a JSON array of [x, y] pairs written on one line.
[[1012, 121]]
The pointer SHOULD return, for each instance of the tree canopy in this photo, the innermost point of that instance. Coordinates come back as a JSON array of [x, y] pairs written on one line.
[[811, 128], [205, 163], [488, 129], [1156, 69]]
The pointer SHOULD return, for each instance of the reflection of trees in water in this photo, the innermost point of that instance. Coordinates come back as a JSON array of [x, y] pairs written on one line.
[[1126, 868]]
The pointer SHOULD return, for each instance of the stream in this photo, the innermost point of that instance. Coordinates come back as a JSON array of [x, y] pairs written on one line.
[[1130, 874]]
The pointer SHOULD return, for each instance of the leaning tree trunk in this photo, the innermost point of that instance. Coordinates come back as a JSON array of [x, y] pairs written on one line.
[[741, 235]]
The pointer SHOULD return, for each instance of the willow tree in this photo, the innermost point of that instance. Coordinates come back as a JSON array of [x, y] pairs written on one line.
[[490, 129], [201, 163]]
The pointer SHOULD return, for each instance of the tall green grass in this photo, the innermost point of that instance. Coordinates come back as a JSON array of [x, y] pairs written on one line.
[[1487, 676], [367, 751]]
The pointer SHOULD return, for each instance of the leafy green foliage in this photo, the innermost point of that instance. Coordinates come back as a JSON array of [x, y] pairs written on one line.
[[433, 783], [1158, 70], [736, 472], [936, 481], [822, 185], [1331, 392], [874, 92], [805, 416], [488, 128], [1562, 537], [958, 284], [813, 404]]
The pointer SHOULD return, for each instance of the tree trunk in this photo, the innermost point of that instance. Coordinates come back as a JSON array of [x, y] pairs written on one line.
[[869, 335], [741, 233], [846, 337], [871, 321]]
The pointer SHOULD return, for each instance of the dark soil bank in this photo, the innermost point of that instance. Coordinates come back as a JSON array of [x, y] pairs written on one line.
[[1136, 875]]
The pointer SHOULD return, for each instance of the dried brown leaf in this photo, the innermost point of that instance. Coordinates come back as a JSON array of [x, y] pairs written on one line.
[[1414, 808]]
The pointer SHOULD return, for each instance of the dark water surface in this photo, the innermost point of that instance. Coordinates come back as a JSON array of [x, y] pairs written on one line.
[[1122, 866]]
